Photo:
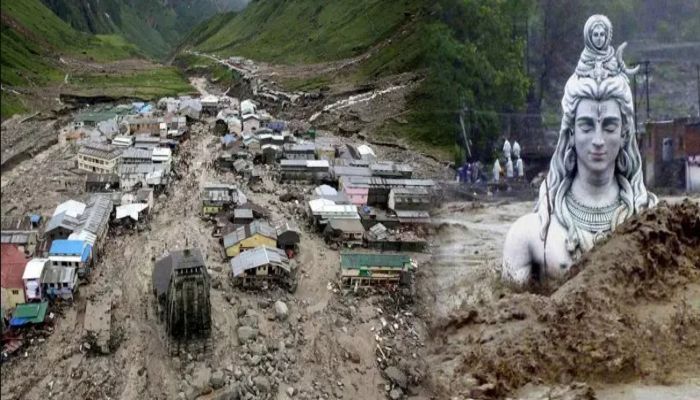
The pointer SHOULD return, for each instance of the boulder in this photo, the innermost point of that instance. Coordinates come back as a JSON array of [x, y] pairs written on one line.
[[281, 310], [246, 333]]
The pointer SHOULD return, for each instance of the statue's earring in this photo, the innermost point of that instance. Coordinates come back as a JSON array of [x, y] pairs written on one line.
[[622, 161]]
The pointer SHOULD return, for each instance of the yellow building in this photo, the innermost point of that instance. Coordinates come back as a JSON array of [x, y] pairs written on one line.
[[255, 234], [12, 264]]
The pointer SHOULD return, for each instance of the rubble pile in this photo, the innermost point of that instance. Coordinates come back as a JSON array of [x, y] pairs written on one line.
[[597, 326]]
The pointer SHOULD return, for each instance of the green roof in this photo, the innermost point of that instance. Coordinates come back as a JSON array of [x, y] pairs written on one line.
[[365, 260], [35, 313]]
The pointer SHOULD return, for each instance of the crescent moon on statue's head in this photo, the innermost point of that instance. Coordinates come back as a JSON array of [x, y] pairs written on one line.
[[621, 62]]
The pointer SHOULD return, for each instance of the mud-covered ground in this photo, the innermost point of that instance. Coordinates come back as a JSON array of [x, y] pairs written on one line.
[[627, 326]]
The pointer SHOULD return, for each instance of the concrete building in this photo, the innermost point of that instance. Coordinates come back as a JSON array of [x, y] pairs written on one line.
[[98, 158]]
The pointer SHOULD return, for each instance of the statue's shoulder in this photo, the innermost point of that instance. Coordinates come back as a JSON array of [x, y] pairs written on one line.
[[525, 230]]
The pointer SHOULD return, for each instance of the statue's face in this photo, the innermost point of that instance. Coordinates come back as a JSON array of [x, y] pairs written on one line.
[[597, 134], [598, 36]]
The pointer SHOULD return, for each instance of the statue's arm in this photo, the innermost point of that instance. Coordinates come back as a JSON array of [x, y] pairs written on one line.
[[517, 249]]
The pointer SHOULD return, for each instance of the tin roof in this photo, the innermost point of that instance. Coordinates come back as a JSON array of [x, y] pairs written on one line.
[[29, 313], [57, 274], [17, 223], [91, 238], [107, 152], [62, 247], [346, 225], [325, 190], [256, 227], [71, 207], [138, 153], [34, 268], [243, 213], [351, 260], [12, 264], [62, 220], [96, 215], [18, 238], [258, 257]]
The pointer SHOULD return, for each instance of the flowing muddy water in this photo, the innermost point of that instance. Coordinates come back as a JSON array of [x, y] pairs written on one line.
[[484, 333]]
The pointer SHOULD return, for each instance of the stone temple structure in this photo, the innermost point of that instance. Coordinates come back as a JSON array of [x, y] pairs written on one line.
[[181, 286], [595, 177]]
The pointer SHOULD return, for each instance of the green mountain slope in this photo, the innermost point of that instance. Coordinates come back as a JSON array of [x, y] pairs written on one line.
[[42, 56], [155, 26], [468, 52], [304, 31]]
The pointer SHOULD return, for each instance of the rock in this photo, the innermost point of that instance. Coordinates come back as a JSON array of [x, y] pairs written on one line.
[[395, 394], [290, 391], [246, 333], [396, 376], [200, 378], [281, 310], [217, 380], [255, 360], [262, 383]]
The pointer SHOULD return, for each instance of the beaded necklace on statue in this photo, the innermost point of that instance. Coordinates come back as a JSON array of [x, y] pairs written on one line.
[[591, 219]]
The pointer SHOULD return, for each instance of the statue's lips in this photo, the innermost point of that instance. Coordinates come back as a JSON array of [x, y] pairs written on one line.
[[598, 156]]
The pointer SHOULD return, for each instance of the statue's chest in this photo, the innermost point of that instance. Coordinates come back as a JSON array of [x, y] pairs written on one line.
[[552, 252]]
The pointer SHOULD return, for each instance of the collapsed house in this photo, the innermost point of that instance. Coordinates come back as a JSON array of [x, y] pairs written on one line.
[[261, 266], [369, 269], [348, 232], [218, 197], [288, 235], [101, 182], [181, 287]]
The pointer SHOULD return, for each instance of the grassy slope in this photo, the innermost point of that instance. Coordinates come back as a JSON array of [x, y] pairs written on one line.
[[154, 26], [34, 39], [324, 31]]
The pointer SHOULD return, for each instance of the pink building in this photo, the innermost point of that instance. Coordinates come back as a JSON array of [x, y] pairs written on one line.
[[356, 195]]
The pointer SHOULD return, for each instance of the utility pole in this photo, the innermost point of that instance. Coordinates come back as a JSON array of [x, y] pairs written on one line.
[[646, 84]]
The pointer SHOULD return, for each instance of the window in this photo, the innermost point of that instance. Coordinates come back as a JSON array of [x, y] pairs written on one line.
[[15, 292], [65, 284]]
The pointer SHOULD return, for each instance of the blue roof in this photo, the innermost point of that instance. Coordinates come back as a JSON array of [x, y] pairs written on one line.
[[71, 247]]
